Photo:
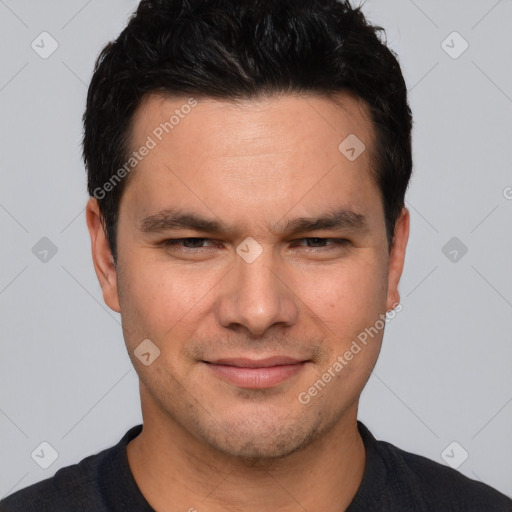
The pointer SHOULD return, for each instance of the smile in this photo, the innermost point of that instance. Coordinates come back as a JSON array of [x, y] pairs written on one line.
[[256, 374]]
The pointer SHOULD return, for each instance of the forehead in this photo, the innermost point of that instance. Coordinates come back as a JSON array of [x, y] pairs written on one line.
[[165, 117], [285, 151]]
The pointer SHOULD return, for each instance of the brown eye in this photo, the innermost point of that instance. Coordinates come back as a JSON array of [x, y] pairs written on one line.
[[185, 243], [321, 243]]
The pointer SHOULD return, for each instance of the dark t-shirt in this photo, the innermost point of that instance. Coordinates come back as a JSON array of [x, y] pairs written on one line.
[[393, 481]]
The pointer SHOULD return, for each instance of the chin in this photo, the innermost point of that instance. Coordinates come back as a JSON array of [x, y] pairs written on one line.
[[260, 443]]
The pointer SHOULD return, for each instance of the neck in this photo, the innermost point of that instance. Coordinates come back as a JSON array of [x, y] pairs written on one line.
[[176, 471]]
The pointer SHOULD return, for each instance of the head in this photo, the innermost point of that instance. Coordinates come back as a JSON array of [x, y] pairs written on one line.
[[273, 139]]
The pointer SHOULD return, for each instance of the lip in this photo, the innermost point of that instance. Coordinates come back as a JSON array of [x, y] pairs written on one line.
[[256, 373]]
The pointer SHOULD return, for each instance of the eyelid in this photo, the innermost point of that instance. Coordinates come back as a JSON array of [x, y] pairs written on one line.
[[335, 242], [170, 242], [176, 241], [334, 239]]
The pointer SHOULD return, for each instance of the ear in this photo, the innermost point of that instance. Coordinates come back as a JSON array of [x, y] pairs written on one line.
[[396, 258], [102, 256]]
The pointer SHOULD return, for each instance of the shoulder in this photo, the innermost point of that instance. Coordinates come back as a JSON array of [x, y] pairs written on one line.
[[437, 487], [72, 486], [78, 487]]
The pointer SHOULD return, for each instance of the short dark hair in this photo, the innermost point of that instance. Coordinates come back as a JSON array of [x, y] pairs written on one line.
[[244, 49]]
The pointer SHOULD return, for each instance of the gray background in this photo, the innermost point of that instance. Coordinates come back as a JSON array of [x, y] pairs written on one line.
[[445, 370]]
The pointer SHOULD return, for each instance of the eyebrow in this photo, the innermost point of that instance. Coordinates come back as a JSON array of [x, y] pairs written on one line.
[[170, 219]]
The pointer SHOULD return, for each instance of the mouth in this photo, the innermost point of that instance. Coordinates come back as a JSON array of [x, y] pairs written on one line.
[[256, 373]]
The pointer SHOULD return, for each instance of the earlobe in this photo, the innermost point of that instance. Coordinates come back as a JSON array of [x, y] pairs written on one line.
[[102, 256], [396, 258]]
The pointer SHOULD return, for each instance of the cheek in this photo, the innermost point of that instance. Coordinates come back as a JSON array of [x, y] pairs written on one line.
[[158, 301], [348, 296]]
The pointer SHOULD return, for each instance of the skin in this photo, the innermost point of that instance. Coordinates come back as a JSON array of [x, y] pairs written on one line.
[[208, 444]]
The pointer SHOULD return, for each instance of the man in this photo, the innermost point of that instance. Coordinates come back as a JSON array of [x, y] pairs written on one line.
[[247, 165]]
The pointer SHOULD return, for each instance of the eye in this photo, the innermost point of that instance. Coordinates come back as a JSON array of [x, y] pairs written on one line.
[[186, 243], [312, 244], [320, 243]]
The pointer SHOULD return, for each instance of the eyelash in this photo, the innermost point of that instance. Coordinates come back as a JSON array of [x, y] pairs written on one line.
[[174, 242]]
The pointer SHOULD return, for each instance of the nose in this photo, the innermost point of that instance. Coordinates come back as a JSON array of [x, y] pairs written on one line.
[[257, 296]]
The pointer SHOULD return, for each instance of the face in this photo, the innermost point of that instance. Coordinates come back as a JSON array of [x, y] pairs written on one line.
[[252, 253]]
